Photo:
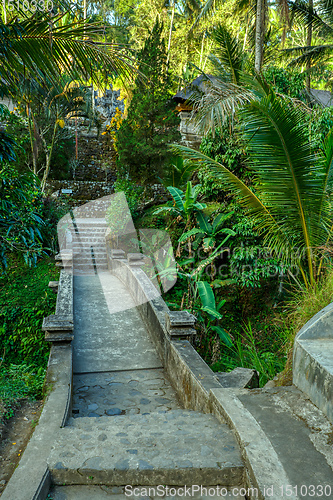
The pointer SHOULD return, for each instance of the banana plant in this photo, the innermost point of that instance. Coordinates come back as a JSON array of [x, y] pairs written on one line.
[[183, 204], [207, 232], [209, 306]]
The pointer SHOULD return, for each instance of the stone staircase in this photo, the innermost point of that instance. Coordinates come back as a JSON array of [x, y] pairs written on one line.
[[88, 243], [175, 447]]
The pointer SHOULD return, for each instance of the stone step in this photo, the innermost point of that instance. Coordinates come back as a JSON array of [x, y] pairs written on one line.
[[194, 492], [177, 447], [87, 257], [89, 266], [300, 434], [89, 228], [89, 233], [86, 248], [86, 260], [92, 238], [85, 252]]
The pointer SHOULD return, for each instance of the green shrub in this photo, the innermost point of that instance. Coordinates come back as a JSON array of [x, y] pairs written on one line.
[[133, 193], [18, 382], [25, 299], [286, 81]]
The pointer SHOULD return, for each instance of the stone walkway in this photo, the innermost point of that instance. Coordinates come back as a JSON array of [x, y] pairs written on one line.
[[109, 333], [128, 427]]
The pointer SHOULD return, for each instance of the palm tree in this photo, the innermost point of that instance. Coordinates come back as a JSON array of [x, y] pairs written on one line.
[[259, 7], [289, 202], [231, 87]]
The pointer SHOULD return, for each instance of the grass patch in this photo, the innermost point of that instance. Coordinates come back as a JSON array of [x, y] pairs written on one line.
[[302, 306], [248, 351], [308, 302]]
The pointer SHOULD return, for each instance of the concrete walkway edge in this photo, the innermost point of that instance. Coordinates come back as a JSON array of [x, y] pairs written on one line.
[[265, 472]]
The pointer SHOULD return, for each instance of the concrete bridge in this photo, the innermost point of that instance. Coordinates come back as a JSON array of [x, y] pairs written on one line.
[[134, 411]]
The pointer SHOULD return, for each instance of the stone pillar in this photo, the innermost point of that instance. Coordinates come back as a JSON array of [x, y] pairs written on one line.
[[135, 259], [180, 325], [58, 328]]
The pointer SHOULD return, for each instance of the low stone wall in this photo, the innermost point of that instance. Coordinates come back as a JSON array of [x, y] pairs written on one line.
[[81, 190], [313, 360]]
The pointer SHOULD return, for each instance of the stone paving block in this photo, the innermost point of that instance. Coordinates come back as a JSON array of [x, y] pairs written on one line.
[[113, 393]]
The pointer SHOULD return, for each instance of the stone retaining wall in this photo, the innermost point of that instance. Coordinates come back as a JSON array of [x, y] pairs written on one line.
[[81, 190]]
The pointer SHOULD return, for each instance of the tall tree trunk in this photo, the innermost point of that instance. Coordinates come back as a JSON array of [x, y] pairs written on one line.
[[309, 43], [48, 153], [246, 32], [4, 11], [202, 48], [170, 33], [33, 145], [259, 38]]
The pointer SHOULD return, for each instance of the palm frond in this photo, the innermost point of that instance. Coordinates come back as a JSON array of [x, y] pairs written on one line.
[[284, 11], [193, 5], [326, 8], [313, 55], [45, 48], [206, 11], [327, 175], [220, 100], [288, 205], [229, 52], [228, 180], [290, 181], [301, 12]]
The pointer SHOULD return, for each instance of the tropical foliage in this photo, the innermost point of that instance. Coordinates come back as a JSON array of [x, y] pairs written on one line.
[[289, 204]]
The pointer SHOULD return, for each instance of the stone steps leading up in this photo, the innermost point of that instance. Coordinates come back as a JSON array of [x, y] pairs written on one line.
[[177, 447]]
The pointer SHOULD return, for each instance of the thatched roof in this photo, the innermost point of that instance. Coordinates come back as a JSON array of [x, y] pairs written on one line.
[[199, 84], [323, 97]]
